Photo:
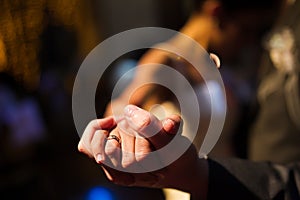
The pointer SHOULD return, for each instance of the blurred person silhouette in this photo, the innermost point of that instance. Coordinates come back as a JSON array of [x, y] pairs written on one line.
[[274, 136], [275, 133], [229, 29], [233, 30]]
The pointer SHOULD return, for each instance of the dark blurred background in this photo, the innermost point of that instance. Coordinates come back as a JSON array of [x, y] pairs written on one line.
[[42, 44]]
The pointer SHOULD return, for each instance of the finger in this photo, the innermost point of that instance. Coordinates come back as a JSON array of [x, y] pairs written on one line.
[[83, 149], [128, 149], [141, 120], [88, 134], [97, 145], [129, 143], [216, 59], [171, 124], [142, 148], [114, 138], [148, 126], [132, 157], [113, 150]]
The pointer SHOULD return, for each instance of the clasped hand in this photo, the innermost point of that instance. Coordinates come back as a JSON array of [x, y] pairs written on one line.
[[122, 147]]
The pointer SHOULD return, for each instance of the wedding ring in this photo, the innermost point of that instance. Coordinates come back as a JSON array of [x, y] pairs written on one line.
[[114, 137]]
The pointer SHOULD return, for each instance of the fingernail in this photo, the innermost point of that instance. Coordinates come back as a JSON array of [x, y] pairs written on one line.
[[99, 158], [129, 110], [139, 117], [169, 126]]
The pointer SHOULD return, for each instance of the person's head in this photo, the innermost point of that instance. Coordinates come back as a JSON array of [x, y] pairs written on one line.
[[238, 22]]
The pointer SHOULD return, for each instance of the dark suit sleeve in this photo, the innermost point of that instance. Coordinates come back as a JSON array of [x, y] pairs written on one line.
[[246, 180]]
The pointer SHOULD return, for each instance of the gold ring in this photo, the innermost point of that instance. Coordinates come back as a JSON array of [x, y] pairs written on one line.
[[114, 137]]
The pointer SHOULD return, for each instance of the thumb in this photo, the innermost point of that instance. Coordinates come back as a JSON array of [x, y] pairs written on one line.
[[159, 133]]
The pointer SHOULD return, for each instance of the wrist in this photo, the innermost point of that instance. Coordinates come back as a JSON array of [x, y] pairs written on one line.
[[194, 180]]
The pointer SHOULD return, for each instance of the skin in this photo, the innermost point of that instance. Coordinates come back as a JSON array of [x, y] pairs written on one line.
[[188, 173]]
